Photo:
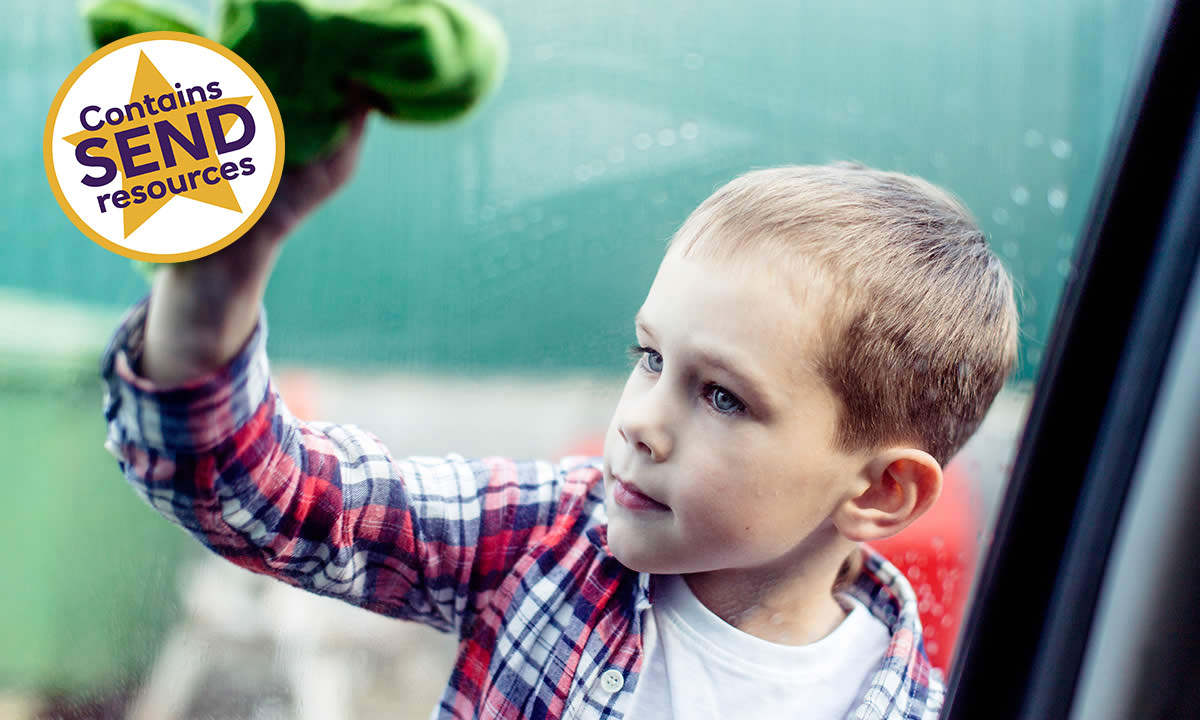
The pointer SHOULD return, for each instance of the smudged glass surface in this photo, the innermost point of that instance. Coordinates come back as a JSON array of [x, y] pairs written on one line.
[[614, 121]]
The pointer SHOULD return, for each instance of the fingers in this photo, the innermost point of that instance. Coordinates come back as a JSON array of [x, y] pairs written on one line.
[[357, 108], [358, 98], [341, 161], [358, 122], [303, 188]]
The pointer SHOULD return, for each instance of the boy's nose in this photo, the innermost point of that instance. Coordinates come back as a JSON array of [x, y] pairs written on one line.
[[643, 426], [655, 445]]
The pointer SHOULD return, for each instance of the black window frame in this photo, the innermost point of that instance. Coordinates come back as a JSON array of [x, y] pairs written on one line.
[[1028, 626]]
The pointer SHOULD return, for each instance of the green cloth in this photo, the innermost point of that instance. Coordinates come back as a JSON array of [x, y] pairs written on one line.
[[425, 61], [418, 61], [112, 20]]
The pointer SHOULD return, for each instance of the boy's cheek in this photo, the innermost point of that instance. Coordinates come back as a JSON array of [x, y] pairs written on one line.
[[711, 526], [612, 441]]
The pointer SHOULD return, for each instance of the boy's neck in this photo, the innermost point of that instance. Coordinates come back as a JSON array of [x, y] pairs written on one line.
[[790, 602]]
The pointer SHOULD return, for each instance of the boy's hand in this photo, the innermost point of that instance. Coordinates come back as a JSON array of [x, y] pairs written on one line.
[[301, 189], [203, 311]]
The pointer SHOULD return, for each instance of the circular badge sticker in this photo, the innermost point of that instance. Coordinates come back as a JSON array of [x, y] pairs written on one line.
[[163, 146]]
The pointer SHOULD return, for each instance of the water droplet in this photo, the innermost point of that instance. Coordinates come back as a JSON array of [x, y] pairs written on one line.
[[597, 168], [1066, 242], [659, 198], [616, 154], [1033, 138], [776, 619], [1057, 197], [932, 647], [689, 131], [936, 610], [1020, 195], [937, 542], [947, 621], [914, 573], [1000, 215], [693, 61], [666, 137], [1011, 248], [643, 141], [923, 607], [543, 52], [1064, 267], [583, 173], [1060, 148]]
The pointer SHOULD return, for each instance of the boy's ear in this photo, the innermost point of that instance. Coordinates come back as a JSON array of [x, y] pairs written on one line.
[[903, 484]]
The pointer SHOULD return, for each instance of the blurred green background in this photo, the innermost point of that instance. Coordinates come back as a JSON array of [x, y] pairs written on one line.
[[523, 239]]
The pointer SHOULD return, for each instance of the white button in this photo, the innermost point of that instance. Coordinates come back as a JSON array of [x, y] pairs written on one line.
[[612, 680]]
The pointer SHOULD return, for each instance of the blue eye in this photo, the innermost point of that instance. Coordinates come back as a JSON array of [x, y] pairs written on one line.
[[650, 359], [724, 401], [654, 361], [721, 400]]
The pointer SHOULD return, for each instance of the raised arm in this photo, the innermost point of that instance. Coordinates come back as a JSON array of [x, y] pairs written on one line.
[[202, 436], [202, 312]]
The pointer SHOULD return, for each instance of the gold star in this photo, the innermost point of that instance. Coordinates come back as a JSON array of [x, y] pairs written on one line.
[[149, 81]]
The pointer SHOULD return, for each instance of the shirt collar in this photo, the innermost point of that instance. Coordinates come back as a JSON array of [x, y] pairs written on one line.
[[643, 596]]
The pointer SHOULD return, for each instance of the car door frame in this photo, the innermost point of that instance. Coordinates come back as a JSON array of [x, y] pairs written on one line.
[[1035, 602]]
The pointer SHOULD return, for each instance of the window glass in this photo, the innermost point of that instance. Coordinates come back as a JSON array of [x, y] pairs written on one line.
[[473, 290]]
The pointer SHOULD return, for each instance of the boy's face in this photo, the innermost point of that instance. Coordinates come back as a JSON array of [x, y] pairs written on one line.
[[719, 456]]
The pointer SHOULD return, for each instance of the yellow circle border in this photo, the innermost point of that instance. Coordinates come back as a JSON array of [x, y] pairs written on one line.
[[52, 176]]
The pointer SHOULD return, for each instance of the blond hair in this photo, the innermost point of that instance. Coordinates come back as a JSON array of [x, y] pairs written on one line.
[[922, 331]]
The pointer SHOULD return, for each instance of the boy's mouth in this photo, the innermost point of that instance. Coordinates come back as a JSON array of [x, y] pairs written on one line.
[[628, 495]]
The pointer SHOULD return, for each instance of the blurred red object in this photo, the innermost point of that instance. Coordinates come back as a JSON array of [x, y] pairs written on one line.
[[590, 446], [937, 554]]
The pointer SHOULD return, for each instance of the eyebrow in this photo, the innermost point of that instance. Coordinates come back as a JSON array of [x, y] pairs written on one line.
[[747, 385]]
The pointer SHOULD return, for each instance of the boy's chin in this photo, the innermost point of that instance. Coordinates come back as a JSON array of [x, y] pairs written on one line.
[[633, 563], [638, 557]]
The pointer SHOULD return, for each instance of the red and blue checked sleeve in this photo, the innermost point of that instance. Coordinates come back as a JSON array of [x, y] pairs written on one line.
[[322, 506]]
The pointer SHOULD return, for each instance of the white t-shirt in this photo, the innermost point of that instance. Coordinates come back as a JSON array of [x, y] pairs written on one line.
[[698, 667]]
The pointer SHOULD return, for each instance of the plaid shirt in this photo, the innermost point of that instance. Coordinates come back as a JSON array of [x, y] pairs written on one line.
[[512, 556]]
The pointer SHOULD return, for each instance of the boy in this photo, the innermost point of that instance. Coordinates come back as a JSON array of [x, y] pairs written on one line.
[[816, 344]]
